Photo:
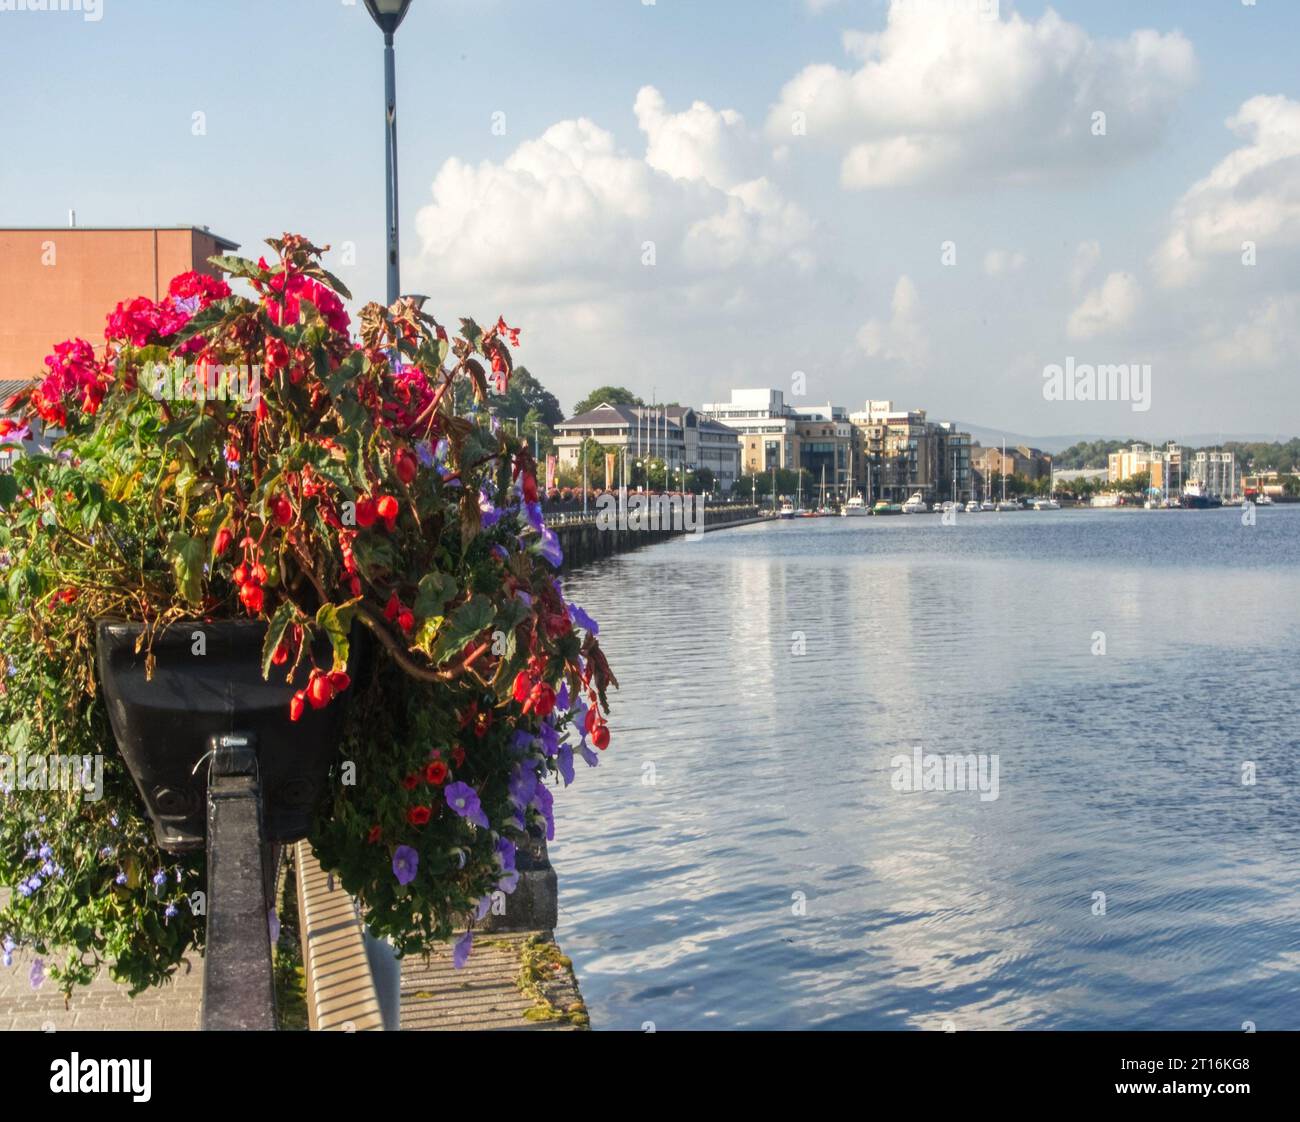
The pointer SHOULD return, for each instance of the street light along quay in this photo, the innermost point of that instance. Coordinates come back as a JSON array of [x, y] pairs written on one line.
[[388, 14]]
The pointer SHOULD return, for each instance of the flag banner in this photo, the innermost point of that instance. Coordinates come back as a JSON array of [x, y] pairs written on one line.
[[550, 473], [609, 471]]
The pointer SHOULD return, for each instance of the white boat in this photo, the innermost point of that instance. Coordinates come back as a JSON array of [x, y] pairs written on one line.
[[916, 505], [1263, 500], [787, 509], [1007, 504], [1046, 504], [972, 507], [856, 507]]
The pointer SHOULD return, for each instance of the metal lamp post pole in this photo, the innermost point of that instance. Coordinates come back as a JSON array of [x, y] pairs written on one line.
[[390, 138]]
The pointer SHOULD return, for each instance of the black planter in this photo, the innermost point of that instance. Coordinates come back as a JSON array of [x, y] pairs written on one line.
[[164, 726]]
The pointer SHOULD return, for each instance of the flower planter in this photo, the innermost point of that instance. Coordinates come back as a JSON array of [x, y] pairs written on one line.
[[163, 727]]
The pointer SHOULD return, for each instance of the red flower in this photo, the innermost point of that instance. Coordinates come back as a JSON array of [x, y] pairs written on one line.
[[387, 509], [319, 690], [436, 773], [281, 510], [523, 686], [224, 538], [366, 513], [600, 737], [543, 699], [458, 755], [405, 466], [252, 597], [530, 487], [411, 782], [281, 655], [406, 620], [297, 705], [339, 680], [419, 815], [375, 835], [393, 608], [482, 722]]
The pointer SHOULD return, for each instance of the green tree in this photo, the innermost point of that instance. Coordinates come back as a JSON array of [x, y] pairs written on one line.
[[606, 395]]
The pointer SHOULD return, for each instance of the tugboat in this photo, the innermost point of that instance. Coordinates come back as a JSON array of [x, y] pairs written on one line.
[[1195, 497]]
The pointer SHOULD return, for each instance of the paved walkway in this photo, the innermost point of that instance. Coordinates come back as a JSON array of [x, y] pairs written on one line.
[[485, 993]]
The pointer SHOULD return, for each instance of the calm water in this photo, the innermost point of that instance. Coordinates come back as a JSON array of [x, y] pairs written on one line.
[[1118, 773]]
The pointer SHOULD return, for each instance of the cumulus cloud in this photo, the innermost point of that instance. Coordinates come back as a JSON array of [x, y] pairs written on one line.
[[1000, 262], [1106, 309], [1252, 195], [901, 338], [945, 92], [569, 212]]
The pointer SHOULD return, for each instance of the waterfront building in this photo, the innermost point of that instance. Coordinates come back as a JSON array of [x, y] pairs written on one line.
[[766, 429], [1218, 473], [826, 442], [676, 435], [903, 453], [1164, 466]]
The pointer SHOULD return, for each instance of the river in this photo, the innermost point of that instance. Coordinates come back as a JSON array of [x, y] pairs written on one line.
[[744, 856]]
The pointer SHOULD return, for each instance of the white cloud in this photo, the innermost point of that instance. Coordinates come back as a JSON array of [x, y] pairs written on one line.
[[946, 94], [1252, 195], [1086, 257], [569, 212], [1000, 262], [1270, 335], [1106, 309], [902, 338]]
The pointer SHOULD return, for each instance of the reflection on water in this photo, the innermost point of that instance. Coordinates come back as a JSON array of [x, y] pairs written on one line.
[[740, 858]]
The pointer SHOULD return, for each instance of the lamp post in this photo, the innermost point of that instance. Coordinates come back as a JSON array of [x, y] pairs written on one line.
[[388, 14]]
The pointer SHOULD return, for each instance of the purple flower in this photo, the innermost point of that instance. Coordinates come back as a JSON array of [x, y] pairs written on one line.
[[523, 785], [484, 906], [424, 453], [273, 925], [500, 552], [170, 912], [565, 763], [527, 599], [533, 512], [548, 547], [550, 738], [159, 878], [592, 759], [489, 515], [460, 954], [45, 851], [545, 802], [581, 619], [463, 800], [37, 975], [506, 854], [562, 696], [120, 878], [405, 863]]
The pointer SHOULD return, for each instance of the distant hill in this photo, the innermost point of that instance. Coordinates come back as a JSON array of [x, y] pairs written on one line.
[[1056, 444]]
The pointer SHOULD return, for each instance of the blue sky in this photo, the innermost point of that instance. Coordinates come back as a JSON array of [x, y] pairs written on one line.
[[774, 252]]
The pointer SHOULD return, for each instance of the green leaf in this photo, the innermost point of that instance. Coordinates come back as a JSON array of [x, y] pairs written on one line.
[[8, 489], [435, 590], [187, 555], [274, 634], [465, 624], [336, 622]]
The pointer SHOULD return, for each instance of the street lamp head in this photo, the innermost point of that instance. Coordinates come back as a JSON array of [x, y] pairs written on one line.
[[388, 13]]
